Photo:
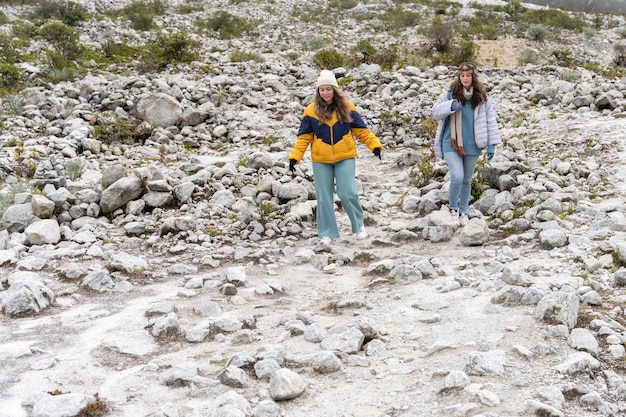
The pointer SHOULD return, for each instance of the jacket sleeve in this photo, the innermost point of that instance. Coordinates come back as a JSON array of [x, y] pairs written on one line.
[[443, 107], [304, 139], [493, 133], [362, 133]]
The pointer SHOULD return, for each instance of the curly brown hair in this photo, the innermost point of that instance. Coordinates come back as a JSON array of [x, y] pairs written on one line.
[[324, 111], [480, 93]]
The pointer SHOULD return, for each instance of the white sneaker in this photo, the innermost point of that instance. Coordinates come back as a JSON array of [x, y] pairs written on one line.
[[361, 234], [463, 219], [326, 240], [455, 214]]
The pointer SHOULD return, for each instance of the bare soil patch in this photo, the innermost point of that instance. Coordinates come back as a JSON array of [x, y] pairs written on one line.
[[499, 53]]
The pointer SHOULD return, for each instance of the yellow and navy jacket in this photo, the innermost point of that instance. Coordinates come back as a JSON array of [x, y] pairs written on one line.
[[333, 141]]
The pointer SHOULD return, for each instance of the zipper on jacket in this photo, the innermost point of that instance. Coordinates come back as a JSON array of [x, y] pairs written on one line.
[[332, 144]]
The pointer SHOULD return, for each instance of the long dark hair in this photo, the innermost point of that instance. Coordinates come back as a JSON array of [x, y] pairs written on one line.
[[340, 105], [480, 94]]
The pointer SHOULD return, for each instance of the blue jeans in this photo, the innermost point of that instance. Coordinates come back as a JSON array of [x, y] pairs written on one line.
[[461, 171], [325, 176]]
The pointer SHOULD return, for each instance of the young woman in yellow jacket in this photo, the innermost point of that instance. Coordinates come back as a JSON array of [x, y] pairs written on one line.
[[330, 125]]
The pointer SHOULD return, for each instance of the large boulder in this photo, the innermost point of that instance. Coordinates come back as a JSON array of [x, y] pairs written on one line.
[[121, 192], [160, 110]]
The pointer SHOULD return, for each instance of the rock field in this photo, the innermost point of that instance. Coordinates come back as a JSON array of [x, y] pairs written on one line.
[[181, 276]]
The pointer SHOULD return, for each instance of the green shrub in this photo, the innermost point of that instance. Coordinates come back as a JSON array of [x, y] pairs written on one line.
[[268, 139], [590, 32], [74, 168], [614, 72], [462, 51], [7, 198], [343, 81], [439, 33], [24, 161], [568, 75], [95, 409], [387, 58], [621, 32], [116, 130], [422, 173], [316, 42], [513, 8], [168, 49], [428, 127], [441, 7], [483, 25], [159, 7], [593, 66], [292, 56], [9, 142], [176, 47], [479, 182], [554, 18], [141, 22], [119, 52], [524, 17], [328, 59], [528, 56], [141, 14], [63, 74], [18, 2], [363, 52], [226, 25], [399, 18], [3, 18], [69, 12], [13, 105], [66, 49], [563, 57], [536, 32], [343, 4], [63, 39], [189, 8], [23, 30], [619, 54], [243, 56], [266, 212], [9, 53], [152, 8], [511, 14], [10, 76], [61, 68]]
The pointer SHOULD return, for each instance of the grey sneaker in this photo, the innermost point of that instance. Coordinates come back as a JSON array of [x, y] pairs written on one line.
[[361, 234], [463, 219]]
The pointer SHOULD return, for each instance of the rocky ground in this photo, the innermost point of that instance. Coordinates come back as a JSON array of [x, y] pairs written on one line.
[[202, 308]]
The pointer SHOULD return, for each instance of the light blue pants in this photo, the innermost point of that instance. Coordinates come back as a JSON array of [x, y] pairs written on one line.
[[461, 171], [325, 176]]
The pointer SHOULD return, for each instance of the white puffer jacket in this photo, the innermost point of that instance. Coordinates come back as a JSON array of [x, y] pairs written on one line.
[[485, 125]]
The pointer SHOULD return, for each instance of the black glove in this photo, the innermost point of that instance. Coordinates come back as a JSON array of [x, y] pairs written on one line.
[[292, 165], [377, 153]]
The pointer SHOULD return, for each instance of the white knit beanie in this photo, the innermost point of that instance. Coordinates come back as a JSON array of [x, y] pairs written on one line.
[[327, 78]]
